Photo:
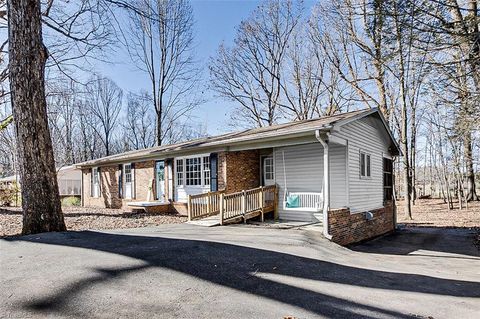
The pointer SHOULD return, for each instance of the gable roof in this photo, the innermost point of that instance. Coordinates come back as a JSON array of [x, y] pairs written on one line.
[[257, 134]]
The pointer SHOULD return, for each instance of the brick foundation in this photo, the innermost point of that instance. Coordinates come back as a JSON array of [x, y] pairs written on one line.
[[347, 228]]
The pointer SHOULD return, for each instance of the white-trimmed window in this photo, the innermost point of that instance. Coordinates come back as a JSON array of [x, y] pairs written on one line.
[[193, 171], [179, 170], [95, 182], [206, 170], [365, 165], [268, 168], [128, 173]]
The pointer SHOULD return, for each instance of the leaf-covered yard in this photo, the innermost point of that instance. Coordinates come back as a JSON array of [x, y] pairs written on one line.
[[435, 213], [82, 218]]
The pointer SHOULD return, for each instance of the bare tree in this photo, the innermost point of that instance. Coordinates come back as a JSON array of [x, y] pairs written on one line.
[[104, 100], [63, 98], [250, 73], [357, 41], [139, 121], [87, 140], [456, 59], [160, 42], [42, 211]]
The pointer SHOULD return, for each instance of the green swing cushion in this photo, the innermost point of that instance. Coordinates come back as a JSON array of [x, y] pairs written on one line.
[[293, 201]]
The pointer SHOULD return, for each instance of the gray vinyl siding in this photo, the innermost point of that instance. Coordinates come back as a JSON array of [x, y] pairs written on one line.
[[304, 170], [338, 176], [368, 136]]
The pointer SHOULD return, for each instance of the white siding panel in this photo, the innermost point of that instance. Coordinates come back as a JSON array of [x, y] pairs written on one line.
[[304, 170], [181, 193], [338, 182], [365, 135]]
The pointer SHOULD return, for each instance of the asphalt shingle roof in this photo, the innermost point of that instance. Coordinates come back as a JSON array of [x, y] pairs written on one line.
[[232, 138]]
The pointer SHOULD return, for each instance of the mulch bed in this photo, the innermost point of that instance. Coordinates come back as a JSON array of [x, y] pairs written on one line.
[[83, 218]]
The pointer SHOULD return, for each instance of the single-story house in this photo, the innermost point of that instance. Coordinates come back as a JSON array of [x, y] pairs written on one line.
[[336, 170]]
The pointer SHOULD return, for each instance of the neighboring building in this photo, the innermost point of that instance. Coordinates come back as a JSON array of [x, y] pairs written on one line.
[[69, 180], [353, 202]]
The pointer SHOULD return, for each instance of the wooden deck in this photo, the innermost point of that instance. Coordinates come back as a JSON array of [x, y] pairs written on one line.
[[234, 207]]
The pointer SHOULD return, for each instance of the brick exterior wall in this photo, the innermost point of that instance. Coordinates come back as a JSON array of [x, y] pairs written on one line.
[[236, 171], [144, 173], [222, 170], [347, 228], [239, 170]]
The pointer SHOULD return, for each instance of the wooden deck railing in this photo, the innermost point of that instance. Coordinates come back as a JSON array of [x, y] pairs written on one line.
[[232, 206], [238, 205], [203, 205]]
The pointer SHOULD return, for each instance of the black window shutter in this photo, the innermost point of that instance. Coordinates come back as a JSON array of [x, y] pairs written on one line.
[[120, 181], [214, 172]]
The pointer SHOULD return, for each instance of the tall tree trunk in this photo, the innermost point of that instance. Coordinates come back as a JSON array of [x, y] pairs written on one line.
[[159, 128], [42, 211], [467, 144], [404, 123], [413, 152]]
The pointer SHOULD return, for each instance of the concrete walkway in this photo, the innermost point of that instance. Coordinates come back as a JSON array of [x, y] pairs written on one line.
[[184, 271]]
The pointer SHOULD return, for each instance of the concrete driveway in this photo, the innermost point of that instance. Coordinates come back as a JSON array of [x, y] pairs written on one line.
[[186, 271]]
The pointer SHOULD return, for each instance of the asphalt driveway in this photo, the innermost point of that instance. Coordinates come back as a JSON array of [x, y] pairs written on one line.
[[186, 271]]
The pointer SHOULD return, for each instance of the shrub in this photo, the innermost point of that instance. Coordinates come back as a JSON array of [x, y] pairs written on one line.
[[8, 195], [71, 201]]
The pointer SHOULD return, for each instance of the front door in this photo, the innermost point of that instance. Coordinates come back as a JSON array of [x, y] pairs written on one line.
[[268, 171], [127, 170], [160, 180]]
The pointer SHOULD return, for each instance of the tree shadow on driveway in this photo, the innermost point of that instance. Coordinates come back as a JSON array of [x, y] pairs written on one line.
[[408, 240], [236, 267]]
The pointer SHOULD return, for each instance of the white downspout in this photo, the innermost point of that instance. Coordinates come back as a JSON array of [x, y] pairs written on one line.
[[326, 183]]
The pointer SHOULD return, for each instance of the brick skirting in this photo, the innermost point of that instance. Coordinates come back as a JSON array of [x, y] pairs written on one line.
[[347, 228]]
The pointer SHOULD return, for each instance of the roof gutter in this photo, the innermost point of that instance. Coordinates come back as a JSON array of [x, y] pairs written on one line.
[[326, 180]]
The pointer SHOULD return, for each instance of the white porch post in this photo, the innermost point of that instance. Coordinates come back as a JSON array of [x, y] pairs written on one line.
[[326, 182]]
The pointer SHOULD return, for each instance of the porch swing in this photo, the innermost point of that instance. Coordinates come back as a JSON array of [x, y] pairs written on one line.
[[301, 201]]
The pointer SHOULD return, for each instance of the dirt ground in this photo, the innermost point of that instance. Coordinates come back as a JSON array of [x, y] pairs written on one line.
[[434, 213], [82, 218]]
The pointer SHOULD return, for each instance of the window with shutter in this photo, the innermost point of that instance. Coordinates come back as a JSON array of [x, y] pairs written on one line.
[[213, 172]]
